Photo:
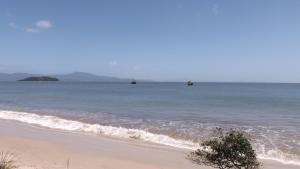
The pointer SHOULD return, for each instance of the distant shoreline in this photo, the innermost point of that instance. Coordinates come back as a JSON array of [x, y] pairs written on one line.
[[40, 78]]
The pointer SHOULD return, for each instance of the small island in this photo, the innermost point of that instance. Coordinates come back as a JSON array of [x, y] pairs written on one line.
[[40, 78]]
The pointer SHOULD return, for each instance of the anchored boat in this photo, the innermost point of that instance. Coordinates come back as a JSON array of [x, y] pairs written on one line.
[[133, 82], [190, 83]]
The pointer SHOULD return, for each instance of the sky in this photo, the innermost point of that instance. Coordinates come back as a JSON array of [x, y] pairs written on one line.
[[165, 40]]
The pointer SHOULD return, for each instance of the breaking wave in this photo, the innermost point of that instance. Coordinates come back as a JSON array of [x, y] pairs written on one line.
[[76, 126]]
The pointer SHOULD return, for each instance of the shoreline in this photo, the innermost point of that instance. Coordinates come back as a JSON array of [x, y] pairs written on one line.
[[136, 135], [115, 132], [39, 148]]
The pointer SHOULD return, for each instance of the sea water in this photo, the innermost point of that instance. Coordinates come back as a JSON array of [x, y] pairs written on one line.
[[171, 114]]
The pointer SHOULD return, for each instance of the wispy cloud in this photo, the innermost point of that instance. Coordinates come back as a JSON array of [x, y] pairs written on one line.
[[11, 17], [12, 25], [40, 26], [215, 9], [112, 63]]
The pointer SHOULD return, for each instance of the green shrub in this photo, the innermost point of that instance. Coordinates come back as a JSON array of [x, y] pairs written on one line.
[[228, 150]]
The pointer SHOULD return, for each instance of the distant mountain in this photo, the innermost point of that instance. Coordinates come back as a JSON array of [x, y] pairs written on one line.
[[87, 77], [76, 76]]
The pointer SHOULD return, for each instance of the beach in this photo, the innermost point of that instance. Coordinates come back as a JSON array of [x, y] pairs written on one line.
[[43, 148], [150, 84]]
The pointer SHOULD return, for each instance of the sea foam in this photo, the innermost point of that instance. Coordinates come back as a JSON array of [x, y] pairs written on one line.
[[76, 126], [120, 132]]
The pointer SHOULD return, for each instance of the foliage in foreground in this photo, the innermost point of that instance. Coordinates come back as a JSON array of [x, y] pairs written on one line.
[[228, 150], [7, 161]]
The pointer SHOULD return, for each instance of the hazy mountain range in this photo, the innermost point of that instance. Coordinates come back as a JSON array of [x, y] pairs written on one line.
[[76, 76]]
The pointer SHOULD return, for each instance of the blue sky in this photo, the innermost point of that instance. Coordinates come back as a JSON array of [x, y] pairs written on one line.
[[172, 40]]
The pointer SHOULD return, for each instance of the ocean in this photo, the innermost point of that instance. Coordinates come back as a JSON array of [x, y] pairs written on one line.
[[171, 114]]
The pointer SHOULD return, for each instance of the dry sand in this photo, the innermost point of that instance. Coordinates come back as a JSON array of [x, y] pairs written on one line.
[[41, 148]]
